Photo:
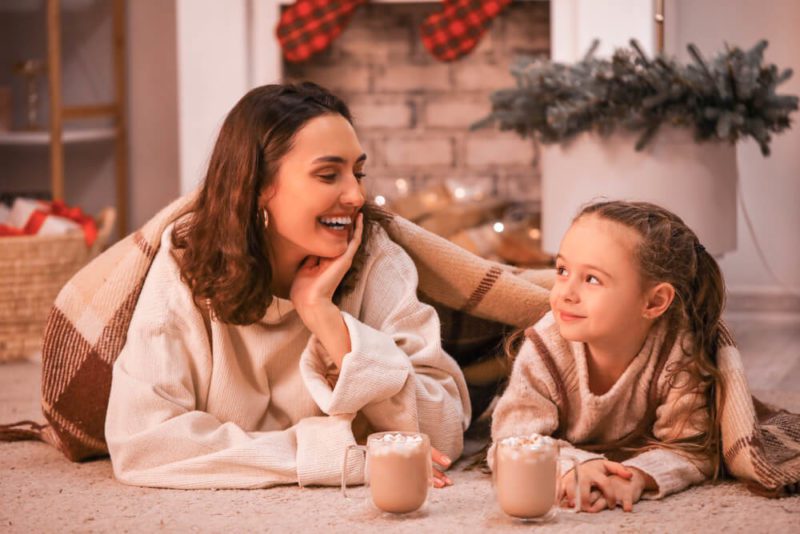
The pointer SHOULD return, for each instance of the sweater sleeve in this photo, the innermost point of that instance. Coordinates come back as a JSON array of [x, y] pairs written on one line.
[[529, 405], [397, 373], [682, 415], [159, 433]]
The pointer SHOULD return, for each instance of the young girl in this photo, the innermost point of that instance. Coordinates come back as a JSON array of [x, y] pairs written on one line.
[[622, 369], [278, 323]]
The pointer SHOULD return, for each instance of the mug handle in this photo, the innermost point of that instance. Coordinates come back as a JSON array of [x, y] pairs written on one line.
[[360, 448], [577, 476]]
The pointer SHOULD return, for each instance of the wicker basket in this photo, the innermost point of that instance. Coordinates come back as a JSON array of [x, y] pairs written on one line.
[[32, 271]]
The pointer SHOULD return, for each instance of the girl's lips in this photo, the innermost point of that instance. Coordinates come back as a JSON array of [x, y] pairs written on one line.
[[568, 316]]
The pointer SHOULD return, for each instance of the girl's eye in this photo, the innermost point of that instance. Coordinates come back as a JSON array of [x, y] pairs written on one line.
[[360, 175], [592, 279], [561, 271]]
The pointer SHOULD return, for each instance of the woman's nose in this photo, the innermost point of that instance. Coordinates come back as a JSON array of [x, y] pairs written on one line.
[[353, 193]]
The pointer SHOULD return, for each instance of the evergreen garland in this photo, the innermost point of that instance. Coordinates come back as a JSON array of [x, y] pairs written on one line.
[[733, 96]]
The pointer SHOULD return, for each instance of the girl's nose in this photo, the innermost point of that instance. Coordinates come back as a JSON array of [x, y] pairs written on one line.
[[569, 292]]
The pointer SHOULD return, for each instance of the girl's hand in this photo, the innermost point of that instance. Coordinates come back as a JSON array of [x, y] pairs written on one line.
[[440, 480], [594, 474], [318, 278], [629, 491]]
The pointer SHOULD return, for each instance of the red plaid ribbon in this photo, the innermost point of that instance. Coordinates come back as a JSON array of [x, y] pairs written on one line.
[[454, 31], [309, 26]]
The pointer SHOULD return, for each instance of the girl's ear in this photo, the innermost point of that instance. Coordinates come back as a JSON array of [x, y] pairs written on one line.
[[659, 298]]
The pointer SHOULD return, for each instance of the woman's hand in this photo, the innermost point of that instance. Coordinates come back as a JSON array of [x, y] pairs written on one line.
[[317, 279], [440, 480], [594, 474], [312, 294]]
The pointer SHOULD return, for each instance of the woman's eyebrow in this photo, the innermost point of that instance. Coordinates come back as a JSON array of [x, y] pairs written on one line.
[[337, 159]]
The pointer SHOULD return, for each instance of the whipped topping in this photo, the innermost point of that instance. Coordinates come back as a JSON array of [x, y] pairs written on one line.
[[396, 443], [534, 442]]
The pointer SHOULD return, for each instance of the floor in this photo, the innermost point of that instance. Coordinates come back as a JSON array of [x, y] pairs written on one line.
[[40, 491]]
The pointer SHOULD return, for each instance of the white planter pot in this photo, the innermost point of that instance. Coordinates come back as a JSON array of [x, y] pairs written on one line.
[[697, 181]]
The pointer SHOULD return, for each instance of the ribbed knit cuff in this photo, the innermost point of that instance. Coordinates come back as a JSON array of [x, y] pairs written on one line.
[[375, 369], [671, 471], [580, 455], [321, 446]]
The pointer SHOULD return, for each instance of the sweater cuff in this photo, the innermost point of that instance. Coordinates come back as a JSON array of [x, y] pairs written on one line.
[[374, 370], [671, 471], [566, 450], [321, 446]]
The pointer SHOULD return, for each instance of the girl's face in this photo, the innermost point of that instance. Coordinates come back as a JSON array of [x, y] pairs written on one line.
[[598, 296], [317, 193]]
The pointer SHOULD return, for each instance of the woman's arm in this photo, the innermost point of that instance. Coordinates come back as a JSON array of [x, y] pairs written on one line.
[[396, 372], [158, 430]]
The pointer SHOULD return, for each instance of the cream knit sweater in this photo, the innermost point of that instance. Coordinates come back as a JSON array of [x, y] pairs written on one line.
[[533, 403], [197, 403]]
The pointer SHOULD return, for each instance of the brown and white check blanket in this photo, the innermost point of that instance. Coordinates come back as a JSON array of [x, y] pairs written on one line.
[[88, 325]]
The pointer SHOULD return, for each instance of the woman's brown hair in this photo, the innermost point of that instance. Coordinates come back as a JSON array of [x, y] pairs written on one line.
[[225, 255]]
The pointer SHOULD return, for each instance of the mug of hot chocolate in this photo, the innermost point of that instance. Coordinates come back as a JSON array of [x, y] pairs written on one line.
[[398, 470], [527, 477]]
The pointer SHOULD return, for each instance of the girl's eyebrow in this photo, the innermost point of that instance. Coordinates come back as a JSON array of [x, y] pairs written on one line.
[[337, 159], [589, 266]]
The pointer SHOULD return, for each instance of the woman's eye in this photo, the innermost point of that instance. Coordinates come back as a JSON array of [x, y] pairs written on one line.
[[360, 175], [592, 279], [328, 177]]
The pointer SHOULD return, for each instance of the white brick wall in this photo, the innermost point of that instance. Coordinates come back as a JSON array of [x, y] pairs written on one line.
[[502, 149], [413, 112]]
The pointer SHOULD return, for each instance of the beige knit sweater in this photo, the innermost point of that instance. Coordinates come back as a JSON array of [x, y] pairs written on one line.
[[196, 403], [552, 368]]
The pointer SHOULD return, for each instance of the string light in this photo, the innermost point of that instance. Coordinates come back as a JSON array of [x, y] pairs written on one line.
[[380, 200], [460, 193], [402, 185], [498, 227]]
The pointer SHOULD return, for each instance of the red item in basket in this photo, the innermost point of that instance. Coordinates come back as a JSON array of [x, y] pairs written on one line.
[[58, 209]]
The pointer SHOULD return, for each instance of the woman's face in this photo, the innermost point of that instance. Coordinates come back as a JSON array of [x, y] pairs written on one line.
[[317, 192]]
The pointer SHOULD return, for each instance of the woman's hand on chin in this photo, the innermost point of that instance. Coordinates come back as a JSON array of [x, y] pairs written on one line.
[[317, 278], [312, 295]]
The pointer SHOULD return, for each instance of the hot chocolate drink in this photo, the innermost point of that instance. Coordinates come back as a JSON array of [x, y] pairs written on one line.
[[399, 471], [526, 475]]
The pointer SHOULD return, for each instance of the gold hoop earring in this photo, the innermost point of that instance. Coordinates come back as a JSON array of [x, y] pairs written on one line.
[[266, 218]]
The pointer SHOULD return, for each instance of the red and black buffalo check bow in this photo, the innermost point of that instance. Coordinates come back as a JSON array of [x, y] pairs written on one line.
[[309, 26], [454, 31]]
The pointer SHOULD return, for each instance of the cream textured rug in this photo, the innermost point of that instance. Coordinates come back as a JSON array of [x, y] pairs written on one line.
[[40, 491]]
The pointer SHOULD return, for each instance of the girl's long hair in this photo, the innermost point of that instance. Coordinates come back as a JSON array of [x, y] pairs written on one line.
[[224, 251], [669, 251]]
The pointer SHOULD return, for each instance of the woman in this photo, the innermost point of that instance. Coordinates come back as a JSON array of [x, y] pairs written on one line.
[[278, 323]]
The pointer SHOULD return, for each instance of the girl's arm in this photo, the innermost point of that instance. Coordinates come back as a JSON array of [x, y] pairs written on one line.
[[683, 414], [530, 404], [396, 372]]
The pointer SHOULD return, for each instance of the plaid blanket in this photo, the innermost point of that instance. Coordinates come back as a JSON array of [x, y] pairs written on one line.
[[88, 324]]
